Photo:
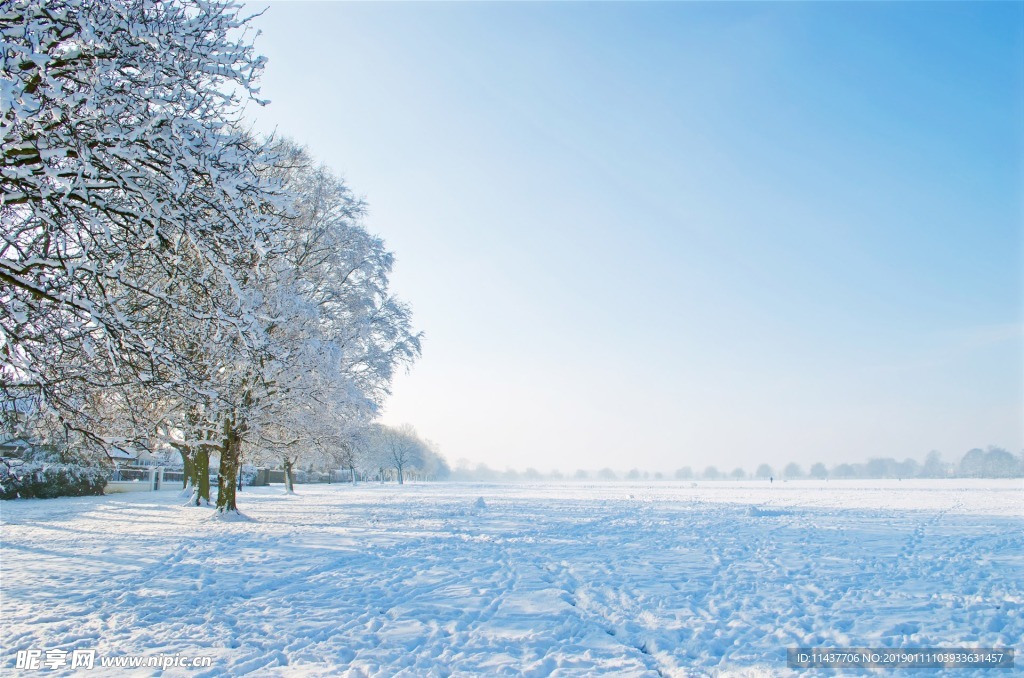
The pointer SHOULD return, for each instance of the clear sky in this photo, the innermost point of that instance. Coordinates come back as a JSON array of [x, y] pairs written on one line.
[[664, 234]]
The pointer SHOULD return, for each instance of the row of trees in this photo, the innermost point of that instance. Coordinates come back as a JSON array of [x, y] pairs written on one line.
[[377, 451], [167, 276], [995, 462]]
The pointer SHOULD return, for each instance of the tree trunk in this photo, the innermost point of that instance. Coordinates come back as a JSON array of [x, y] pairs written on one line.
[[189, 469], [202, 476], [227, 474], [401, 479], [289, 477], [352, 470]]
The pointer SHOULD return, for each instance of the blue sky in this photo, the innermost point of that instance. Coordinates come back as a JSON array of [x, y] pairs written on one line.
[[668, 234]]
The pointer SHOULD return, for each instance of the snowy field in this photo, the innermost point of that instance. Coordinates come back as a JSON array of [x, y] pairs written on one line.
[[546, 579]]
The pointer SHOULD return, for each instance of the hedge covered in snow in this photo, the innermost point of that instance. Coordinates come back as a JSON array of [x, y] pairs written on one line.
[[40, 480]]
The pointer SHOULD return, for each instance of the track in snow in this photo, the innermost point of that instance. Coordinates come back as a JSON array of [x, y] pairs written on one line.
[[658, 579]]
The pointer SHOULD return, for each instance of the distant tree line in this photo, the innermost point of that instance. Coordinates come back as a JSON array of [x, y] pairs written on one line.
[[374, 452], [397, 454], [992, 462]]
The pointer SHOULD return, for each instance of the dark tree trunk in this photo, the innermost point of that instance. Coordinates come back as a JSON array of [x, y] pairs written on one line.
[[289, 476], [202, 476], [227, 474], [401, 478], [188, 468]]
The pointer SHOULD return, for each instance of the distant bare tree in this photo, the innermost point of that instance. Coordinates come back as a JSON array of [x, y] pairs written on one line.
[[401, 450], [992, 463], [685, 473], [933, 466]]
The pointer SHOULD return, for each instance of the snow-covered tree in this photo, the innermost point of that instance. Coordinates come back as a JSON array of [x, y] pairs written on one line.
[[995, 462], [933, 466], [133, 215], [434, 466], [399, 452], [334, 335], [346, 457], [162, 271], [404, 450], [189, 425]]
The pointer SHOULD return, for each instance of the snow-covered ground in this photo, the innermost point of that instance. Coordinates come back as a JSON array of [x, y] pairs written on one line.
[[564, 579]]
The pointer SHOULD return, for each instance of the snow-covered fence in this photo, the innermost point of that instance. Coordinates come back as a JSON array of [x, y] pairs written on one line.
[[139, 480], [175, 479], [265, 476]]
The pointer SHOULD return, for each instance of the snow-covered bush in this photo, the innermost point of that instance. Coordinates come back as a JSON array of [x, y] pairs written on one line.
[[46, 481]]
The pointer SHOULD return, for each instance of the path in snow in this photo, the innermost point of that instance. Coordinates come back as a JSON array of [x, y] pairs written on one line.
[[566, 579]]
